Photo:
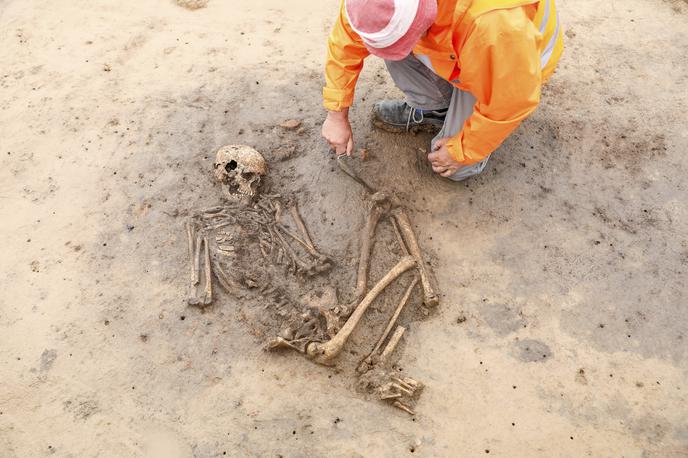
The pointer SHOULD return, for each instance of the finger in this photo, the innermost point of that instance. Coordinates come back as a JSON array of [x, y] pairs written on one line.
[[440, 163], [441, 142], [340, 149], [438, 168], [432, 157], [350, 146], [449, 172]]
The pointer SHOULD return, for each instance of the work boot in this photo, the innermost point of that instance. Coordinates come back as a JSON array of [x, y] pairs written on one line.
[[397, 116]]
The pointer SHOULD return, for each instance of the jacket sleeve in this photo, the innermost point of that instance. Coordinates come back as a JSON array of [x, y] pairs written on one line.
[[345, 55], [500, 66]]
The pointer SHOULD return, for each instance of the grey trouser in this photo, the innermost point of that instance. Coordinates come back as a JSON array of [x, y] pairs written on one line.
[[427, 91]]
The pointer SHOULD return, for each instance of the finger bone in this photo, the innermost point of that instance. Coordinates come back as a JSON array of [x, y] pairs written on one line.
[[403, 407]]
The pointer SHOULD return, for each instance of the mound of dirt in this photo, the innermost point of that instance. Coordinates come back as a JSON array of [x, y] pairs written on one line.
[[286, 290]]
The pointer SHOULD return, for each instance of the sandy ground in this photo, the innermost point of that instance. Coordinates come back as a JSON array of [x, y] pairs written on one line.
[[568, 257]]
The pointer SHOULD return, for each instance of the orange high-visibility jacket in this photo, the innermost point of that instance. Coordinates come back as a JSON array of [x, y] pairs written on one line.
[[501, 51]]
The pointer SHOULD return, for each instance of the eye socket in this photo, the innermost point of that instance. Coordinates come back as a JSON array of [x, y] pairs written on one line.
[[231, 165]]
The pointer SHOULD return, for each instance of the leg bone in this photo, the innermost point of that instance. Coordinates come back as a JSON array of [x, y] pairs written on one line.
[[393, 342], [197, 260], [374, 215], [190, 233], [430, 296], [400, 239], [363, 367], [324, 353], [190, 230], [208, 296]]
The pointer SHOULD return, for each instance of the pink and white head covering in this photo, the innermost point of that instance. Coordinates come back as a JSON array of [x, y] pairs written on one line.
[[390, 28]]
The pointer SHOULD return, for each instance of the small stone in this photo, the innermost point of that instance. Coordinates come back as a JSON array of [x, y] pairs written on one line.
[[291, 124], [581, 378], [192, 4]]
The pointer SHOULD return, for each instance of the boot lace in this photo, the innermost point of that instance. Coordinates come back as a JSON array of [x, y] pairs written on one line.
[[412, 117]]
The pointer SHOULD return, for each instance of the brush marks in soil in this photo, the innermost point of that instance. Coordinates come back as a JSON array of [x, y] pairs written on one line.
[[81, 407]]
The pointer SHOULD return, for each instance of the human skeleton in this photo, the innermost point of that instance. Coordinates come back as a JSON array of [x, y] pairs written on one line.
[[323, 326]]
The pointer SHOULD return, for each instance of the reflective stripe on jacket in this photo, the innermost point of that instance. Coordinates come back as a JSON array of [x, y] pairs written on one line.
[[501, 51]]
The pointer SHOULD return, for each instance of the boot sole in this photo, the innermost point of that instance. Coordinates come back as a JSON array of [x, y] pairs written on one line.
[[402, 129]]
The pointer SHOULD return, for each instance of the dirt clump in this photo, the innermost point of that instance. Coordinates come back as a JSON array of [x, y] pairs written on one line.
[[192, 4]]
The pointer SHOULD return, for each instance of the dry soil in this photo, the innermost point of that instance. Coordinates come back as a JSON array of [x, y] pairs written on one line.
[[563, 325]]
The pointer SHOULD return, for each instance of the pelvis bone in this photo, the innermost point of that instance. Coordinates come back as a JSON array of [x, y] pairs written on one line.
[[324, 352]]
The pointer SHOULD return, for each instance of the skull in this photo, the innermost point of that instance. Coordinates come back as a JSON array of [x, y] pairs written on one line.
[[239, 169]]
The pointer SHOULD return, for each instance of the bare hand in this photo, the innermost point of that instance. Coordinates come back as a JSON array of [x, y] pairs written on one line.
[[442, 162], [337, 131]]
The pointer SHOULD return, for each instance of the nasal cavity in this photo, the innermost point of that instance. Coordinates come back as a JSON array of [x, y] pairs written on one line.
[[231, 165]]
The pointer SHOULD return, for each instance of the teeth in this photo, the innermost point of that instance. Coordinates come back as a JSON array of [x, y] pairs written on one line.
[[240, 193]]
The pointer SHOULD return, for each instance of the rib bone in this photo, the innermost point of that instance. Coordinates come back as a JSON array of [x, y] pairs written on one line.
[[324, 353], [430, 296]]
